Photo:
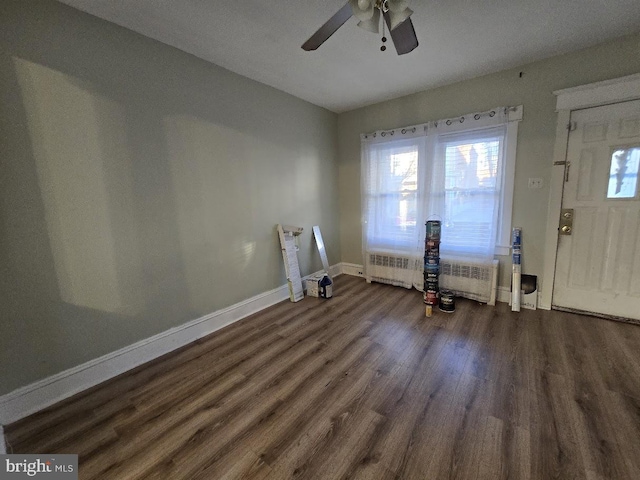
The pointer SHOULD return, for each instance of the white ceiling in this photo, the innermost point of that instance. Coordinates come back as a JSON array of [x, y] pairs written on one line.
[[459, 39]]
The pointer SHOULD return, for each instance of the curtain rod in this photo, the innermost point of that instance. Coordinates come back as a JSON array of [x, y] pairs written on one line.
[[448, 121]]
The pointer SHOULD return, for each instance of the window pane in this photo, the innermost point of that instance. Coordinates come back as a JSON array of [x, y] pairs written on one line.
[[405, 172], [472, 165], [623, 173], [471, 194], [392, 217]]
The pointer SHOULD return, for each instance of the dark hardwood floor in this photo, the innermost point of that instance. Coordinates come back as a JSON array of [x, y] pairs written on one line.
[[364, 386]]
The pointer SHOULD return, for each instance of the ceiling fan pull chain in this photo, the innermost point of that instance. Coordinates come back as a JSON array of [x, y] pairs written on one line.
[[384, 38]]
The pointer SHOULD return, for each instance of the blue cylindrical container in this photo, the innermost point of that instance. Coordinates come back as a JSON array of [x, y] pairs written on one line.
[[516, 237], [433, 229]]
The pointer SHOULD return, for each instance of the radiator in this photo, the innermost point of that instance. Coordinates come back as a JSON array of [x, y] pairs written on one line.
[[469, 279], [392, 269], [466, 278]]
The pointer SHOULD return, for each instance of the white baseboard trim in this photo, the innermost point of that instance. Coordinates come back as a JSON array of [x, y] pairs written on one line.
[[334, 270], [504, 295], [541, 304], [34, 397], [352, 269]]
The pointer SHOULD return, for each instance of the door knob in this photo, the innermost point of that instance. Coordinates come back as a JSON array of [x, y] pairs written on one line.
[[566, 221]]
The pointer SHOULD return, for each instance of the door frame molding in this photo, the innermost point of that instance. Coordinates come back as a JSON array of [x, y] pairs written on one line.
[[569, 99]]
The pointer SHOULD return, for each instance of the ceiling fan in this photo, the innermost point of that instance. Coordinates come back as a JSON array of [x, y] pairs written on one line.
[[396, 15]]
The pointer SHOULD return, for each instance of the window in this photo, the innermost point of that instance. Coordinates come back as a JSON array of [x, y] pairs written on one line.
[[461, 171], [472, 166], [623, 173], [390, 192]]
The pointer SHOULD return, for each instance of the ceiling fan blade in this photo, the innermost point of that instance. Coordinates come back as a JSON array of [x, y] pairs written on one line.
[[329, 28], [403, 36]]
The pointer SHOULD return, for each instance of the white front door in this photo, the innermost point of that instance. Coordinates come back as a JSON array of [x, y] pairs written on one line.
[[598, 261]]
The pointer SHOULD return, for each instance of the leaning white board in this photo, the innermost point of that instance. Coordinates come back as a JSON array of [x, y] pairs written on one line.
[[321, 249], [288, 245]]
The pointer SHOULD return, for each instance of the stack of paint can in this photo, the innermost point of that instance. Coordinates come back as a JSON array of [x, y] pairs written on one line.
[[431, 265]]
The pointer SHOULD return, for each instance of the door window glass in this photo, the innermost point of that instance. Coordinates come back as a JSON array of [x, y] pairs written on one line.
[[623, 173]]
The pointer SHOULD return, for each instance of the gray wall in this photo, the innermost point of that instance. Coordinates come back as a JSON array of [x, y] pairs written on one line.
[[536, 133], [140, 188]]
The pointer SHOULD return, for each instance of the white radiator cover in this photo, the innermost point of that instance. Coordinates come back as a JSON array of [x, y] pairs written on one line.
[[470, 279], [399, 270], [465, 277]]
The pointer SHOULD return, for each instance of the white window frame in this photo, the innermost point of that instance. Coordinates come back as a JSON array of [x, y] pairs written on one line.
[[381, 246], [514, 116]]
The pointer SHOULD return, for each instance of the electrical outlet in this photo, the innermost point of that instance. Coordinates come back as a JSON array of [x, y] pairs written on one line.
[[535, 183]]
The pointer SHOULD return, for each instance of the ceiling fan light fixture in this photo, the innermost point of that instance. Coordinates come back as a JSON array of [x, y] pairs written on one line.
[[397, 18], [399, 11], [363, 10], [373, 24], [396, 6]]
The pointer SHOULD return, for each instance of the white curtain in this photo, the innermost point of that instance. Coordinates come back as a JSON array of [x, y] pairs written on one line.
[[450, 170], [392, 205]]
